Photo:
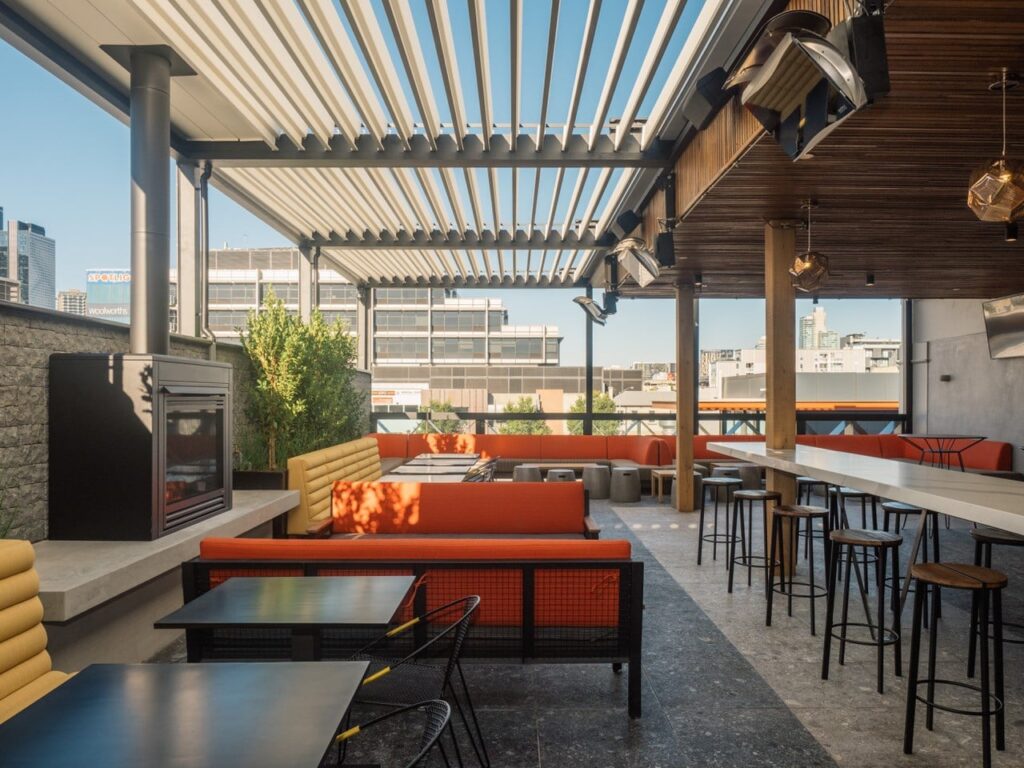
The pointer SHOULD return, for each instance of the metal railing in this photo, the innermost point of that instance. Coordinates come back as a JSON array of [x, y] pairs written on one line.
[[826, 422]]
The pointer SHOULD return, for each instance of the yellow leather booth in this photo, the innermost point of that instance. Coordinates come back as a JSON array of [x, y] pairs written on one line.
[[313, 475], [25, 670]]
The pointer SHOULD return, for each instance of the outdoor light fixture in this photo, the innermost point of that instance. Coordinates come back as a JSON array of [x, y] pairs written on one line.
[[698, 280], [810, 268], [996, 191], [592, 308], [869, 281], [1011, 231], [637, 259]]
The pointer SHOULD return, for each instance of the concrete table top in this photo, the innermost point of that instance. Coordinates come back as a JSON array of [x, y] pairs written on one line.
[[77, 576], [981, 499]]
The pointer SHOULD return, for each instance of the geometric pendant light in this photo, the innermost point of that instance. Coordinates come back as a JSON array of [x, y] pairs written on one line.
[[810, 268], [996, 191]]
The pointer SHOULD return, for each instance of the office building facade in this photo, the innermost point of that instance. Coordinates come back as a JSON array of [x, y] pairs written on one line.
[[108, 294], [28, 264], [72, 301]]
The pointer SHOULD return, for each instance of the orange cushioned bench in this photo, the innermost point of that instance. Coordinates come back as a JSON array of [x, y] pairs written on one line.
[[457, 509], [542, 600]]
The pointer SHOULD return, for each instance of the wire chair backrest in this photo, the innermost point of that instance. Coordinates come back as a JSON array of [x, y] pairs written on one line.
[[436, 715]]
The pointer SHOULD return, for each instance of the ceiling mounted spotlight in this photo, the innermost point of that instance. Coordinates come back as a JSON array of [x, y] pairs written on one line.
[[698, 280], [869, 281], [996, 191], [1011, 231], [637, 259], [810, 268], [595, 311]]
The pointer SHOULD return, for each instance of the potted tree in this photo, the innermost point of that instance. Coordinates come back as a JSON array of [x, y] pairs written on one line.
[[300, 396]]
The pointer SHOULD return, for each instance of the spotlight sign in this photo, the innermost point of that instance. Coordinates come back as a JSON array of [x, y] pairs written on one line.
[[108, 294]]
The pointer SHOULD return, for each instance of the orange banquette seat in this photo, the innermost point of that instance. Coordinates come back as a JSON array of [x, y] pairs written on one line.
[[545, 600], [439, 509]]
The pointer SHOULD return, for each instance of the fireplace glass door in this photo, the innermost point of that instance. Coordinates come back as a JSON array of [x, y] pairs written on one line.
[[193, 456]]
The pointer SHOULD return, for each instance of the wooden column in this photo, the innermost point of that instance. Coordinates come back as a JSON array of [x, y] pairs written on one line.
[[780, 379], [686, 395]]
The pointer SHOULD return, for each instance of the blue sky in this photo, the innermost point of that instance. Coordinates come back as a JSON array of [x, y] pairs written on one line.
[[65, 167]]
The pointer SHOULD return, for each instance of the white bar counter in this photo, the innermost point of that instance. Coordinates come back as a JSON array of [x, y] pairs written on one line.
[[981, 499]]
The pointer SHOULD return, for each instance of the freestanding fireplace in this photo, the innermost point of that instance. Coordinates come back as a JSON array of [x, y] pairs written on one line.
[[140, 445]]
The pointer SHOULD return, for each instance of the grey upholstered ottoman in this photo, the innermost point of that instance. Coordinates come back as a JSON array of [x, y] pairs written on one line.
[[561, 476], [526, 473], [597, 480]]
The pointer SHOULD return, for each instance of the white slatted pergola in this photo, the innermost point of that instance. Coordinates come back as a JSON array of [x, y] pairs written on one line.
[[366, 130]]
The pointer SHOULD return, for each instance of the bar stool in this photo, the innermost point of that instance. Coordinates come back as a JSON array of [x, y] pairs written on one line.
[[796, 514], [984, 538], [881, 543], [929, 519], [805, 486], [986, 587], [715, 484], [837, 496], [739, 533]]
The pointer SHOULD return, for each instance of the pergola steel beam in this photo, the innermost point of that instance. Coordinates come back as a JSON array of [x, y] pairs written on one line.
[[486, 240], [474, 282], [551, 154]]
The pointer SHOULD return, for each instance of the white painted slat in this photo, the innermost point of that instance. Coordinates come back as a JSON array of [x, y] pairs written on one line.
[[555, 193], [441, 26], [375, 51], [605, 221], [404, 29], [574, 201], [548, 64], [622, 43], [478, 30], [413, 196], [595, 198], [433, 195], [451, 189], [659, 42], [515, 12], [587, 45], [567, 269]]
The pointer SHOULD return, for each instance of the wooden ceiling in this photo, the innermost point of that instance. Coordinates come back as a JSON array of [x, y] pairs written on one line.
[[891, 182]]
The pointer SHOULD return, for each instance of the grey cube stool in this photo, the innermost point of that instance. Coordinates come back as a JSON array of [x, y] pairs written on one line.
[[561, 476], [526, 473], [597, 481], [625, 484]]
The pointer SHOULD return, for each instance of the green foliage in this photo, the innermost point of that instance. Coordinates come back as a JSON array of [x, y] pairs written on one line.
[[302, 397], [441, 426], [524, 404], [603, 403]]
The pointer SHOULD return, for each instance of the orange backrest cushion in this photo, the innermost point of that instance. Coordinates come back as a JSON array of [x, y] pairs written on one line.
[[573, 447], [455, 508], [700, 443], [391, 446], [414, 549], [641, 449], [863, 445], [439, 443], [894, 447]]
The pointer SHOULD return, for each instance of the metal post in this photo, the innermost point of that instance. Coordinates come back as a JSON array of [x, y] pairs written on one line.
[[588, 415], [363, 332], [906, 365], [696, 364], [305, 283], [316, 278], [189, 259], [150, 202]]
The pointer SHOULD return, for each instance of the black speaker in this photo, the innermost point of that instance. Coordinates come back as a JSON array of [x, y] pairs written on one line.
[[628, 221], [665, 250], [709, 98]]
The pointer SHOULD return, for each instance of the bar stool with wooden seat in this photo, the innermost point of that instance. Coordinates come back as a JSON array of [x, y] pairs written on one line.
[[986, 587], [796, 514], [837, 497], [930, 520], [805, 486], [984, 538], [716, 484], [881, 545], [744, 536]]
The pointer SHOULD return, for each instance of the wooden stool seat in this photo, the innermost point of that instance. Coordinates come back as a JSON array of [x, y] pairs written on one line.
[[801, 512], [866, 538], [750, 494], [958, 575], [987, 535], [898, 507]]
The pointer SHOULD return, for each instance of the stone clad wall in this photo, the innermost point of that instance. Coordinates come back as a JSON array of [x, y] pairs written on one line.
[[28, 336]]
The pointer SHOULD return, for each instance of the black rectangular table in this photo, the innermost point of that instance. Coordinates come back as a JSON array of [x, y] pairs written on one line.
[[302, 604], [260, 715]]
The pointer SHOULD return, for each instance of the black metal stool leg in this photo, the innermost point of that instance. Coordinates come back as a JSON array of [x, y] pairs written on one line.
[[714, 543], [700, 527], [880, 645], [933, 644], [737, 535], [776, 530], [794, 528], [810, 568], [750, 543], [972, 640], [915, 654], [997, 620], [986, 720], [832, 564], [937, 595], [846, 603], [897, 622]]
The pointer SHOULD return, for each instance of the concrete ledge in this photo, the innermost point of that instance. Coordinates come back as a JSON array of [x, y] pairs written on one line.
[[78, 576]]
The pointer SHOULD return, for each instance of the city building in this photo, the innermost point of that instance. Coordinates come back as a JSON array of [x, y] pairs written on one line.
[[656, 376], [811, 326], [72, 301], [710, 356], [28, 264], [108, 294]]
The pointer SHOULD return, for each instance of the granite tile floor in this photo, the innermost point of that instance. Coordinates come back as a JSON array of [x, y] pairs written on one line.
[[721, 689]]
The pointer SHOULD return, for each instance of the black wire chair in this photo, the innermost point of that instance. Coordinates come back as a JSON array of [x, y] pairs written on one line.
[[437, 715], [396, 679]]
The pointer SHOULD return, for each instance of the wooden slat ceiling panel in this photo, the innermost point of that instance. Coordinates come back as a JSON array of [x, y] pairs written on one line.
[[891, 183]]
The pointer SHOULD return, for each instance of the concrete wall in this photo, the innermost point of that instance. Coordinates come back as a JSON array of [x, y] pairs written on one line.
[[983, 396], [28, 336]]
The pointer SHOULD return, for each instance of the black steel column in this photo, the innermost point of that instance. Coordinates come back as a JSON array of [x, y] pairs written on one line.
[[907, 364], [696, 365], [588, 416], [150, 201]]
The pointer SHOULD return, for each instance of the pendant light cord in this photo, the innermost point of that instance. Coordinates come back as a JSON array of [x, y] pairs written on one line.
[[1004, 114]]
